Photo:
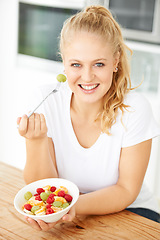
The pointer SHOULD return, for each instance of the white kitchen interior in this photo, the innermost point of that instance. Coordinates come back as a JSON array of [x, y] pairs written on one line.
[[17, 81]]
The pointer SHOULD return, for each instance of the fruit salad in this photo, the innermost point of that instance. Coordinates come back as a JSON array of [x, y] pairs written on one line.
[[47, 200]]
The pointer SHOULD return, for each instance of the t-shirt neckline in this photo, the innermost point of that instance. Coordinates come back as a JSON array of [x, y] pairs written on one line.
[[72, 133]]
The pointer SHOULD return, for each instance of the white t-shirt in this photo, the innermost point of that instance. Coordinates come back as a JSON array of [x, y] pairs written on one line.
[[96, 167]]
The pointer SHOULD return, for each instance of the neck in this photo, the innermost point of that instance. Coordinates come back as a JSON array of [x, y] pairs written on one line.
[[86, 111]]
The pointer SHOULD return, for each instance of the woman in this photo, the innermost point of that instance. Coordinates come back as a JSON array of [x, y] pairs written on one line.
[[94, 131]]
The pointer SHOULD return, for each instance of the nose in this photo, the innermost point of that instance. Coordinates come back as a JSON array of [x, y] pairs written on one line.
[[87, 74]]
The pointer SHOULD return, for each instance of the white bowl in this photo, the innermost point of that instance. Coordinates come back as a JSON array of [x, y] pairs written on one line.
[[19, 199]]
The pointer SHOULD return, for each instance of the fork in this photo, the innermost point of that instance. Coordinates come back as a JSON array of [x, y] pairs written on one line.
[[53, 91]]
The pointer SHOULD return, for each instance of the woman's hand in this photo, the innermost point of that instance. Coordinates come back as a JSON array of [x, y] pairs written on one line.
[[33, 127], [43, 226]]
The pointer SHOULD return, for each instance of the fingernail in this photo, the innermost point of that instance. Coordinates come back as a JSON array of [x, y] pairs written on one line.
[[29, 220], [66, 218]]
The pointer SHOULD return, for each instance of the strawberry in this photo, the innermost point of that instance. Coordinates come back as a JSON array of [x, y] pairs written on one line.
[[48, 206], [40, 190], [61, 193], [52, 195], [36, 194], [49, 211], [53, 189], [68, 197], [50, 200], [38, 198], [27, 206]]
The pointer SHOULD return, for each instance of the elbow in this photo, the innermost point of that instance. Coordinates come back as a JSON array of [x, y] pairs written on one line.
[[28, 178], [128, 198]]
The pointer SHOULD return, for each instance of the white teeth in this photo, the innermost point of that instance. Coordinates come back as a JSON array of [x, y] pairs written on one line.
[[89, 87]]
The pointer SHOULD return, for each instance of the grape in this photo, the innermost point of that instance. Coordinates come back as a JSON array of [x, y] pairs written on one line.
[[27, 195], [44, 196], [61, 78], [34, 209], [48, 193], [65, 205], [57, 204]]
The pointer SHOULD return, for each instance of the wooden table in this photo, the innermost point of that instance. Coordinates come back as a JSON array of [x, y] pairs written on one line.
[[124, 225]]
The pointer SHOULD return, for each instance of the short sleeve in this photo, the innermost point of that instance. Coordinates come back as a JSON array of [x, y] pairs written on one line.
[[140, 124]]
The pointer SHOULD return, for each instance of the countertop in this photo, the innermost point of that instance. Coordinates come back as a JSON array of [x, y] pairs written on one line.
[[123, 225]]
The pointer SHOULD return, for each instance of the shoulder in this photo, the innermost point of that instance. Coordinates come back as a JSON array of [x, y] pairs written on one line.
[[135, 100], [140, 123], [137, 103], [139, 108]]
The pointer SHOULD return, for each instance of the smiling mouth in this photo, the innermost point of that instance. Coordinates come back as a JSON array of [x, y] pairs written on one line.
[[89, 87]]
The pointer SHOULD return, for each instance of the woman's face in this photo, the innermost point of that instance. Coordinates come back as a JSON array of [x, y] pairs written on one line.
[[89, 65]]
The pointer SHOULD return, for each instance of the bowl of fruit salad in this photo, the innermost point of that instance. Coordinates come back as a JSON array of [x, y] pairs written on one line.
[[47, 199]]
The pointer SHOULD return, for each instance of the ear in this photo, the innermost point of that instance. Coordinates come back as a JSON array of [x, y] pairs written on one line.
[[116, 61]]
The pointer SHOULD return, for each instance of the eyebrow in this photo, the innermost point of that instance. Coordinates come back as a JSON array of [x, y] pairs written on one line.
[[101, 59], [95, 60]]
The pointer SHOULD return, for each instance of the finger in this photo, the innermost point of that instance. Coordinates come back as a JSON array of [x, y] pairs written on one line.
[[26, 218], [46, 226], [18, 120], [43, 123], [37, 124], [23, 124], [33, 224], [69, 216], [31, 124]]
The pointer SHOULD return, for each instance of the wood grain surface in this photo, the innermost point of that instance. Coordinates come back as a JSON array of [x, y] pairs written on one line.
[[124, 225]]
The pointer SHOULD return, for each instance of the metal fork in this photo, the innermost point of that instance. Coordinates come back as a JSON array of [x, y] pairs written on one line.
[[53, 91]]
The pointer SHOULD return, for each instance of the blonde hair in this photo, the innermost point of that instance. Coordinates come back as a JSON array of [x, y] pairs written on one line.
[[99, 20]]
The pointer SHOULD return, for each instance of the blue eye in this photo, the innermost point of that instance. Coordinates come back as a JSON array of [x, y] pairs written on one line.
[[99, 64], [75, 65]]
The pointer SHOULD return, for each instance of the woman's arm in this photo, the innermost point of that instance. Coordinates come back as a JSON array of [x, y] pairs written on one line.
[[132, 167], [40, 156]]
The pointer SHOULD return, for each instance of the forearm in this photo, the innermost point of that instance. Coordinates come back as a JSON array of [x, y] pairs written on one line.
[[109, 200], [39, 163]]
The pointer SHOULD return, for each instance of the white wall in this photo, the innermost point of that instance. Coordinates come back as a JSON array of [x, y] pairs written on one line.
[[15, 85]]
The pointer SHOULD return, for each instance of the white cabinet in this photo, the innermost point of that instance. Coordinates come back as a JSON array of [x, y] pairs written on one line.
[[145, 64]]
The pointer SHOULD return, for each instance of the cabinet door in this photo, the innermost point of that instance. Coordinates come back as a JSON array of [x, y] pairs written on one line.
[[39, 30], [145, 69], [134, 15]]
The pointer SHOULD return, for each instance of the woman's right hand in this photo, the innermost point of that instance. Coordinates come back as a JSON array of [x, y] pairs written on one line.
[[33, 127], [43, 226]]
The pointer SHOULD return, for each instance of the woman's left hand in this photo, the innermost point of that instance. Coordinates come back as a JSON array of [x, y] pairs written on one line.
[[43, 226]]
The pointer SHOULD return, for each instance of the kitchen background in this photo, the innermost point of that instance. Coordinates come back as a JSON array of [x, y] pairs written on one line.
[[19, 76]]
